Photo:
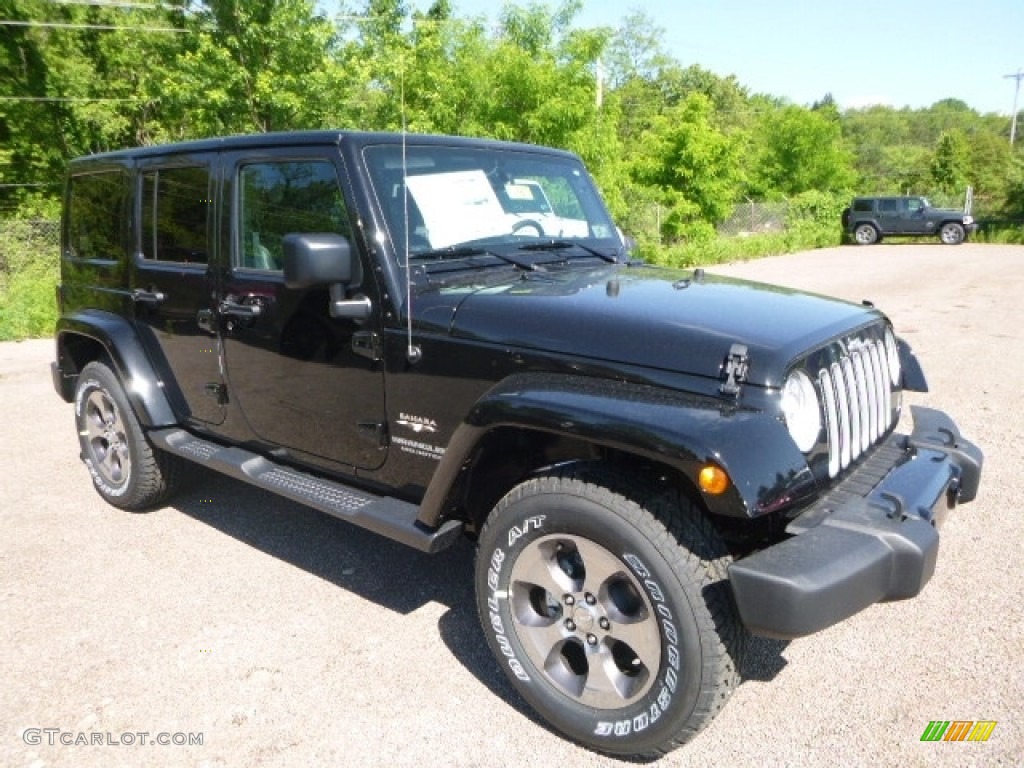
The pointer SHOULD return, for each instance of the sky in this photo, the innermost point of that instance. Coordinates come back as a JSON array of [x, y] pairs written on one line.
[[895, 52]]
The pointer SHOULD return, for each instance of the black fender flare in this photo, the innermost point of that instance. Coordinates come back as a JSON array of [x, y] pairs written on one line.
[[684, 431], [127, 353], [913, 378]]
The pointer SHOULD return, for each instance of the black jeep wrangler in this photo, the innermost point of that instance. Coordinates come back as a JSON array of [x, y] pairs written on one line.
[[869, 219], [654, 462]]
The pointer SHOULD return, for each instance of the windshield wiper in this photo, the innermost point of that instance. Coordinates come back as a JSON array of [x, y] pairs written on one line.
[[468, 251], [561, 245]]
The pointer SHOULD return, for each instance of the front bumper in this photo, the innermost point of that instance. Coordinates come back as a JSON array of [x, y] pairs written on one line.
[[873, 538]]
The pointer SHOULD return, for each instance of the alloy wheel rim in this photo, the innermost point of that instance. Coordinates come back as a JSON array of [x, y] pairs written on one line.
[[104, 432], [585, 621]]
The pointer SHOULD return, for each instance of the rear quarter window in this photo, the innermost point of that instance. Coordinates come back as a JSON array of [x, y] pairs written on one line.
[[863, 206], [96, 216]]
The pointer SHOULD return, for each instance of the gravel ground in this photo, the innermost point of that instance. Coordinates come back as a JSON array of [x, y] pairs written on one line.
[[287, 638]]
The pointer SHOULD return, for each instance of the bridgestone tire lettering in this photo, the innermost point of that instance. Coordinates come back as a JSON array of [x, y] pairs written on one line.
[[573, 568]]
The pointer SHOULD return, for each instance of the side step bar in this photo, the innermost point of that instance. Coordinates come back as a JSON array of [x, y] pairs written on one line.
[[387, 516]]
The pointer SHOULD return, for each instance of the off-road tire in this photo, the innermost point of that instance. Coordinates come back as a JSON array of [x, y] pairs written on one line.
[[528, 228], [865, 234], [626, 582], [952, 233], [127, 471]]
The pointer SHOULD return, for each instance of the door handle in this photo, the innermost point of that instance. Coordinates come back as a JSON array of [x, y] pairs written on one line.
[[233, 309], [140, 296]]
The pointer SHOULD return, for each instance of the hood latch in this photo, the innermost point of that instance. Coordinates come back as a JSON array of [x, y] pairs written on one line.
[[735, 370]]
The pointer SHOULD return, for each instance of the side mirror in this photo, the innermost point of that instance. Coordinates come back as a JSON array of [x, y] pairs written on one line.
[[319, 258], [326, 259]]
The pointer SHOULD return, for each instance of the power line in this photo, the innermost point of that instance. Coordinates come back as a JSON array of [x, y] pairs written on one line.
[[114, 4], [59, 98], [67, 25]]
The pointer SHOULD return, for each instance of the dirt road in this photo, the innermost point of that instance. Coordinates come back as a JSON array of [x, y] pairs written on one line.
[[278, 636]]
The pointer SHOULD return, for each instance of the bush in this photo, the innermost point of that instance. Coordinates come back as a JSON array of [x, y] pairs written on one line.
[[29, 271], [1003, 232]]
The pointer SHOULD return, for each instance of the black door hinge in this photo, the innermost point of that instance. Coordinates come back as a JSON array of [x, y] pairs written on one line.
[[218, 392], [735, 370], [374, 431]]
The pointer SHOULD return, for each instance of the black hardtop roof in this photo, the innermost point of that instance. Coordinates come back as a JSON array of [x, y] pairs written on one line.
[[888, 197], [302, 139]]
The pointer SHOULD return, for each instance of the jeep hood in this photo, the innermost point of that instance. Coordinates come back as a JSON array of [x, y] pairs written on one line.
[[642, 315]]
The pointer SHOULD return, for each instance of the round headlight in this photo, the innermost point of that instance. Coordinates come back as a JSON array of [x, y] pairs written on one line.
[[800, 407], [892, 356]]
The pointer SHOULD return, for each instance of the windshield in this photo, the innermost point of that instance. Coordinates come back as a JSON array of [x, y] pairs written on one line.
[[457, 196]]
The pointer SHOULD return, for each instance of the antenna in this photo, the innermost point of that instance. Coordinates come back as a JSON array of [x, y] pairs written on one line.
[[412, 353]]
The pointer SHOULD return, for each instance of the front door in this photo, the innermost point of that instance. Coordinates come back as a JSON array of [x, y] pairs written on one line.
[[303, 380], [915, 222], [174, 282]]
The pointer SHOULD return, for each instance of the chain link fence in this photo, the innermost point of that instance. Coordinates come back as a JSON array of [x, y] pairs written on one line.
[[752, 218], [27, 241], [29, 270], [749, 218]]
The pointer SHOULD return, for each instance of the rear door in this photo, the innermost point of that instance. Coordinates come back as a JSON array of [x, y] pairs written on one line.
[[174, 281], [303, 380], [890, 217]]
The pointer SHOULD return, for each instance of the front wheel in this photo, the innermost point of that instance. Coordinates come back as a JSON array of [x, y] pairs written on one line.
[[608, 607], [126, 469], [951, 233], [527, 228]]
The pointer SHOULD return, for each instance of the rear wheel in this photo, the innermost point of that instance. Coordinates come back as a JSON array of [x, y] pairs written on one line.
[[608, 607], [951, 233], [865, 234], [126, 469]]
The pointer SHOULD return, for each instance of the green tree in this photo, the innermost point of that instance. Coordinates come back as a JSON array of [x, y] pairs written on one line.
[[950, 165], [76, 88], [259, 65], [794, 149], [694, 165]]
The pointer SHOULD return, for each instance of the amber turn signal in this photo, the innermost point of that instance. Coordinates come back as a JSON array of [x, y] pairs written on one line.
[[713, 480]]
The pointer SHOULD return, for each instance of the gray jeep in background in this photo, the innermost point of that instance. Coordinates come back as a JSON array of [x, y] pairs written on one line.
[[869, 219]]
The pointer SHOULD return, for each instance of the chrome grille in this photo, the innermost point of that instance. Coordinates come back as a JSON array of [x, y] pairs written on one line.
[[855, 393]]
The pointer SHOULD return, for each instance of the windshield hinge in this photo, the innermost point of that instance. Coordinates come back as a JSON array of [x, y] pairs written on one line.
[[735, 370], [368, 344]]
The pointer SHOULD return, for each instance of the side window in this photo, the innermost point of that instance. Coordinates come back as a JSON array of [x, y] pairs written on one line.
[[276, 198], [96, 215], [863, 206], [888, 206], [914, 205], [175, 209]]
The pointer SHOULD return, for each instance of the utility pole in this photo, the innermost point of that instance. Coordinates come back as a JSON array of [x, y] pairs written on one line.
[[1018, 76]]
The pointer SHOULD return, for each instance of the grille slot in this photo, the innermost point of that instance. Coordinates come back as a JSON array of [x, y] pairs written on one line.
[[855, 394]]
